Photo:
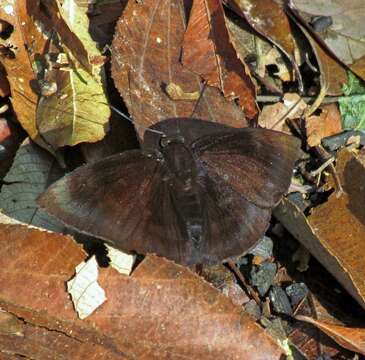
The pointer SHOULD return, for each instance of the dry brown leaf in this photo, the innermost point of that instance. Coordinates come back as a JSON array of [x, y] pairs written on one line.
[[144, 62], [350, 338], [335, 231], [37, 342], [326, 124], [269, 19], [274, 116], [208, 51], [142, 317]]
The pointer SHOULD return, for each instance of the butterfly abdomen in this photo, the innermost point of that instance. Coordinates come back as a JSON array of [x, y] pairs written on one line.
[[182, 170]]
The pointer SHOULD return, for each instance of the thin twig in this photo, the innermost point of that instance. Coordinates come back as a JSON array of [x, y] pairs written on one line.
[[324, 156], [250, 291], [323, 166]]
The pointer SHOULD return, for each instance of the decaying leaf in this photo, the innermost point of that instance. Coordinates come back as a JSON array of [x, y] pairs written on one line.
[[86, 293], [269, 19], [33, 170], [19, 51], [78, 111], [332, 73], [344, 30], [145, 62], [335, 231], [207, 51], [350, 338], [326, 124], [71, 112], [247, 42], [143, 315]]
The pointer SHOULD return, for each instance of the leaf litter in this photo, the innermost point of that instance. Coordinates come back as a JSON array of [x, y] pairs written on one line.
[[160, 74]]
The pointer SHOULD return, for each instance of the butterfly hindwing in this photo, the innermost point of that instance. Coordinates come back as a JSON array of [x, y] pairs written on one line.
[[234, 224], [257, 163]]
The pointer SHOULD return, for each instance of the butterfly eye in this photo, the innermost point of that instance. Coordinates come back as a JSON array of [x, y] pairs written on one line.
[[164, 141]]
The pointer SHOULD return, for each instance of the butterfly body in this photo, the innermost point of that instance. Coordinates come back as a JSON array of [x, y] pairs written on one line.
[[180, 172], [200, 193]]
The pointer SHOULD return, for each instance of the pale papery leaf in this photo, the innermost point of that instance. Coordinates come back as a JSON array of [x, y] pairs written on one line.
[[86, 293], [120, 261]]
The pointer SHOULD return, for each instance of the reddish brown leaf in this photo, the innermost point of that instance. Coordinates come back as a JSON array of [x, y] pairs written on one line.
[[162, 311], [207, 51], [350, 338], [269, 19], [326, 124], [36, 342], [146, 58]]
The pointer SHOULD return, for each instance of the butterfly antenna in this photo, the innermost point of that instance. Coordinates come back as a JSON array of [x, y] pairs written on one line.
[[124, 116], [199, 98]]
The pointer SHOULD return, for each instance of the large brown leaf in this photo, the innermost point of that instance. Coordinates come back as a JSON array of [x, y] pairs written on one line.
[[146, 58], [335, 231], [207, 51], [162, 311]]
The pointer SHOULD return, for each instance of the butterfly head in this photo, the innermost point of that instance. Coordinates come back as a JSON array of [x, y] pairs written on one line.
[[179, 162]]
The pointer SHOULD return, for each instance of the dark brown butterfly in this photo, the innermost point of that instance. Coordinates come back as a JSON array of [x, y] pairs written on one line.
[[199, 194]]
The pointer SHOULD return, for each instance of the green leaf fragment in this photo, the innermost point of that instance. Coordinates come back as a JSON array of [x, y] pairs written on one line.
[[354, 86], [352, 106]]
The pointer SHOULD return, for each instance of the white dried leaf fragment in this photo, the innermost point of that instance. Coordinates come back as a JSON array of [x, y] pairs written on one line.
[[121, 261], [86, 293]]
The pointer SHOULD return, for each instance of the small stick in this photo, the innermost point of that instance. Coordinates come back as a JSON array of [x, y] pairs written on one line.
[[324, 156], [289, 112], [323, 166], [250, 291]]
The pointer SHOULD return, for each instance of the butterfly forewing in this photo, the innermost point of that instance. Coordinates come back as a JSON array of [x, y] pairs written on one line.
[[257, 163], [105, 198]]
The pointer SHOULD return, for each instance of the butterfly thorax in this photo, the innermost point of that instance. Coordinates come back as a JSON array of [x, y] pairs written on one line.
[[181, 175]]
